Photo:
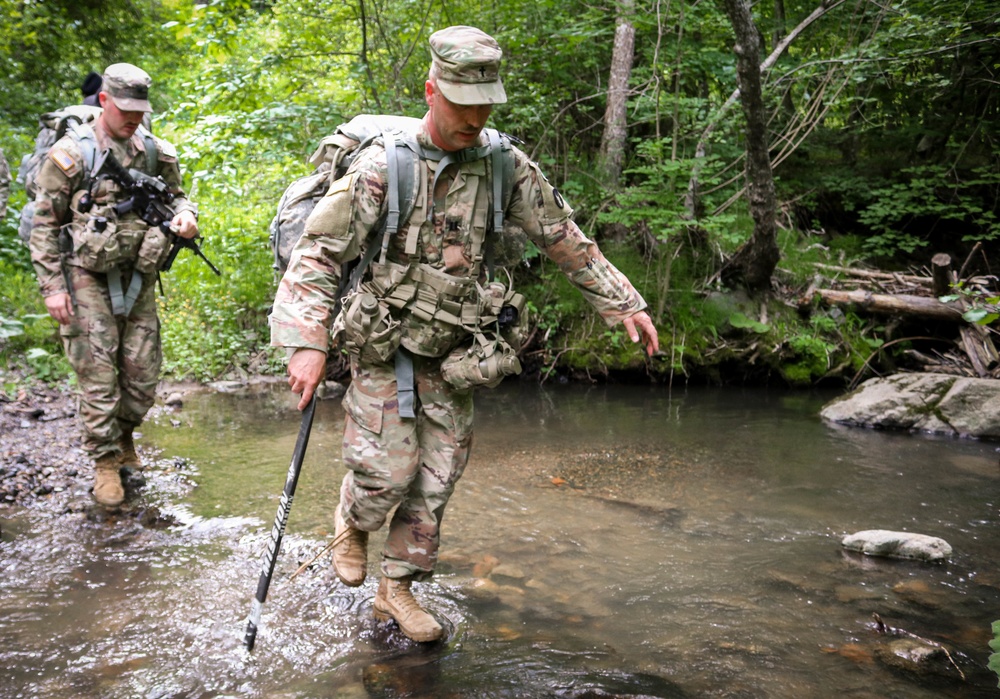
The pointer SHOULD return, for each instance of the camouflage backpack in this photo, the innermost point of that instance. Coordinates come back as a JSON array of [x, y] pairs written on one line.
[[54, 125], [336, 153]]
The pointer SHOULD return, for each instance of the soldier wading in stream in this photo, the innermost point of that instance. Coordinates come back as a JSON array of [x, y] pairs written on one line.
[[97, 269], [421, 328]]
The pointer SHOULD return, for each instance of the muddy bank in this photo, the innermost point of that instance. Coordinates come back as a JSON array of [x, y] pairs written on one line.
[[40, 454], [42, 463]]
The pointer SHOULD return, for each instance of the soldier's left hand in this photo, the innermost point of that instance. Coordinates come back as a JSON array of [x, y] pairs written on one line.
[[640, 327], [185, 224]]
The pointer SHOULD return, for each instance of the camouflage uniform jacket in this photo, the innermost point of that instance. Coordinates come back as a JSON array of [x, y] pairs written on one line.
[[305, 298], [60, 183]]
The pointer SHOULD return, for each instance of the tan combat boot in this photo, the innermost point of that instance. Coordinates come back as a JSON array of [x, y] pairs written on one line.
[[394, 600], [129, 458], [108, 490], [350, 556]]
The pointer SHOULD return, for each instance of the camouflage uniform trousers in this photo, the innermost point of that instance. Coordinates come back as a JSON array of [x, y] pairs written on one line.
[[116, 359], [413, 462]]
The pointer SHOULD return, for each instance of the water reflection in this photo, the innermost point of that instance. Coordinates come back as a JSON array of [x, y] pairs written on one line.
[[603, 542]]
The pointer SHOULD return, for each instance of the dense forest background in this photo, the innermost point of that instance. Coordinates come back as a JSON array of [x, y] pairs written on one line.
[[866, 137]]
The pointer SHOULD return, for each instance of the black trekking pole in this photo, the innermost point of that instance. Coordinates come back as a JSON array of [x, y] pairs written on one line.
[[280, 520]]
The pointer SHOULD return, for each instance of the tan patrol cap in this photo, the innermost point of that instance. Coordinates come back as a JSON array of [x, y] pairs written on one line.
[[468, 64], [128, 87]]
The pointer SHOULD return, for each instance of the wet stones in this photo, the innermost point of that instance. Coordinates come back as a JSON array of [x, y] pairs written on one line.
[[882, 542]]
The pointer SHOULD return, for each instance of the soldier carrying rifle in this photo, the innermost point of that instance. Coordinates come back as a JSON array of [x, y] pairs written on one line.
[[99, 279]]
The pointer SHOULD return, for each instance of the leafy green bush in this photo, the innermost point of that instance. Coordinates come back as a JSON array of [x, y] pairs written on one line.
[[994, 662]]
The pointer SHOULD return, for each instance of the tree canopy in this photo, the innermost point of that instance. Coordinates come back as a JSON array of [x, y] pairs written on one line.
[[881, 123]]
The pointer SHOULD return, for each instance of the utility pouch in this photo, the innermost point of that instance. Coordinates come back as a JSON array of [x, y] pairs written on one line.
[[153, 251], [509, 308], [478, 365], [370, 332], [513, 319]]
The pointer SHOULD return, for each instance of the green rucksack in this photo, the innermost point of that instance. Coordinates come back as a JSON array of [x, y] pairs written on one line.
[[334, 156]]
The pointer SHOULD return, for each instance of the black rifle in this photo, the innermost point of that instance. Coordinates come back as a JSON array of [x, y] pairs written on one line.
[[150, 198], [65, 250]]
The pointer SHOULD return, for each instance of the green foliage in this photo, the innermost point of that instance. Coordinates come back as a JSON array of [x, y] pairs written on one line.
[[994, 661], [48, 47], [47, 366], [928, 193], [24, 320], [214, 324], [741, 322], [983, 307], [902, 157]]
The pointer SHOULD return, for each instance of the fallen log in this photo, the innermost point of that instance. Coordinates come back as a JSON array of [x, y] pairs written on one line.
[[891, 304], [980, 349], [871, 274]]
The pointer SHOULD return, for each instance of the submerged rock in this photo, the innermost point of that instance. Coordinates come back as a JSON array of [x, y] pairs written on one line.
[[881, 542], [914, 656]]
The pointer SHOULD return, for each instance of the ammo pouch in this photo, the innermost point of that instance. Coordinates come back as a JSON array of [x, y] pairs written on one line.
[[153, 251], [95, 244], [101, 241], [370, 332], [437, 310]]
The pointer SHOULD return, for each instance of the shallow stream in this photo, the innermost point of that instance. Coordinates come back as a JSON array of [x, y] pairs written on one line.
[[604, 542]]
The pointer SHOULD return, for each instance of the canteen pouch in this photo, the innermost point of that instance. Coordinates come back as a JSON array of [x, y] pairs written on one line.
[[370, 332]]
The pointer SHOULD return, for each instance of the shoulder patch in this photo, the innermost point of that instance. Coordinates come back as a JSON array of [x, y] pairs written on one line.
[[166, 148], [344, 184], [63, 159]]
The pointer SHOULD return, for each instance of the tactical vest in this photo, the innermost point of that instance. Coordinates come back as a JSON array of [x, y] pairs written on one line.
[[419, 307], [101, 241]]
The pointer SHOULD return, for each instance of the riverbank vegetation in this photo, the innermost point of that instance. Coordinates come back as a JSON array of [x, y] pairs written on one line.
[[868, 139]]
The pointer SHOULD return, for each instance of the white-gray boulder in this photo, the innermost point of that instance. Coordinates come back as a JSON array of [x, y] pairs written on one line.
[[932, 403], [882, 542]]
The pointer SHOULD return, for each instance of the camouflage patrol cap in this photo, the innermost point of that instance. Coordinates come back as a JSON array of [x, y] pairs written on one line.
[[128, 87], [468, 66]]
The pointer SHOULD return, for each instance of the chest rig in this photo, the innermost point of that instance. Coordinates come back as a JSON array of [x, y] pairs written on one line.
[[423, 309], [106, 241]]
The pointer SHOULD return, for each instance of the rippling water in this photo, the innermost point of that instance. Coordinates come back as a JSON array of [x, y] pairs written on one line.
[[609, 541]]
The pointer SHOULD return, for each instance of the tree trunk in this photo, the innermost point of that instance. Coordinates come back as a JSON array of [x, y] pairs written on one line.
[[613, 139], [692, 202], [755, 261]]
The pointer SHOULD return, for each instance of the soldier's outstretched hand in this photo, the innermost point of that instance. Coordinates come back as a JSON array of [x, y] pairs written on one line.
[[640, 327]]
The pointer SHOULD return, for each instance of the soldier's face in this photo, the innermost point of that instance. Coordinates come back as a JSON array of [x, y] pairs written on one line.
[[119, 123], [454, 126]]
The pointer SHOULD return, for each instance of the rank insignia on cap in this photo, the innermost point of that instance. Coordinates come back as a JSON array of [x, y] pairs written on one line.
[[62, 159]]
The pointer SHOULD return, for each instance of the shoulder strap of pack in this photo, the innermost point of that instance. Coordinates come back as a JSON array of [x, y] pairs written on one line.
[[151, 155], [401, 164], [87, 141], [502, 172]]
